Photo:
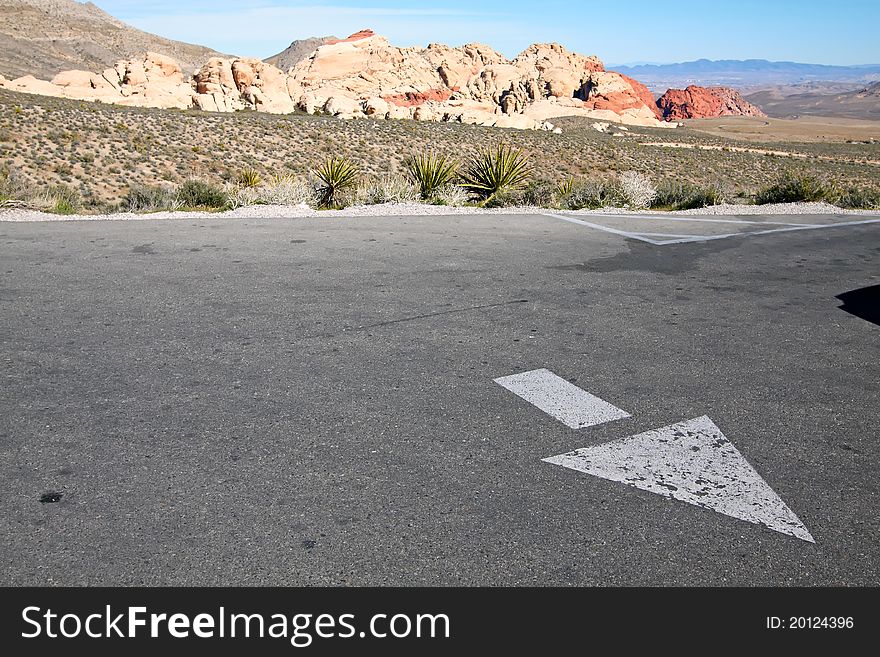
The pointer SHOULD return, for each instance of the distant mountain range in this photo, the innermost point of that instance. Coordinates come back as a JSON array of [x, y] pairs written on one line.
[[745, 74]]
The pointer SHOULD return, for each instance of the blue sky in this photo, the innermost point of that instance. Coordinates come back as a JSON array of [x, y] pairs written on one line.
[[619, 32]]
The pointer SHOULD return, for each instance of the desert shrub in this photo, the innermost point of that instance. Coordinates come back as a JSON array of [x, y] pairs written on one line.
[[592, 194], [249, 178], [506, 198], [239, 197], [63, 206], [857, 198], [200, 194], [62, 199], [633, 190], [494, 172], [148, 198], [565, 187], [679, 195], [451, 195], [795, 189], [430, 173], [279, 190], [13, 188], [539, 193], [288, 190], [390, 189], [336, 177]]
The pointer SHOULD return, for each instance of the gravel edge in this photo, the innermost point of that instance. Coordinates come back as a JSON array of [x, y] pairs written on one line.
[[419, 209]]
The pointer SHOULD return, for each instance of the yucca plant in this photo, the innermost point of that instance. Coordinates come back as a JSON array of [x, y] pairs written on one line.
[[566, 187], [336, 176], [493, 172], [430, 173], [249, 178]]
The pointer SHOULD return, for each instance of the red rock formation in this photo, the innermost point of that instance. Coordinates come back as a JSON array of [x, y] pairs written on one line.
[[357, 36], [416, 98], [639, 95], [705, 102], [644, 94]]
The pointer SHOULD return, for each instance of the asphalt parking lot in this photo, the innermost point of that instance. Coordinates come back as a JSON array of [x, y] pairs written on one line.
[[314, 401]]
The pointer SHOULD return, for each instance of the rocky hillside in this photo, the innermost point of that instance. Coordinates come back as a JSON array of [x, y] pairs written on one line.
[[44, 37], [364, 75], [298, 51], [705, 102]]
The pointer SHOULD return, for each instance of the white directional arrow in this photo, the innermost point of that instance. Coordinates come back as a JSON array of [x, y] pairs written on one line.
[[693, 462], [557, 397]]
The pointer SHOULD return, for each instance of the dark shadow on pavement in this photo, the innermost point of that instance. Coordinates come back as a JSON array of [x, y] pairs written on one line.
[[863, 303]]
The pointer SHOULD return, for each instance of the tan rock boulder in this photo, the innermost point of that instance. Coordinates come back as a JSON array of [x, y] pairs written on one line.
[[376, 107], [262, 86], [215, 77], [343, 106], [83, 85], [395, 112], [30, 85], [162, 67], [73, 79]]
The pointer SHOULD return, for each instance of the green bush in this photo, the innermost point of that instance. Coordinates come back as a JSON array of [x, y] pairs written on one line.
[[539, 193], [795, 189], [63, 206], [249, 178], [199, 194], [390, 189], [430, 173], [64, 200], [148, 198], [588, 194], [678, 195], [9, 185], [856, 198], [565, 188], [335, 177], [492, 173]]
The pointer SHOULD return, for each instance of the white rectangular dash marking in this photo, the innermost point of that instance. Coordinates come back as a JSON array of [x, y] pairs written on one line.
[[566, 402]]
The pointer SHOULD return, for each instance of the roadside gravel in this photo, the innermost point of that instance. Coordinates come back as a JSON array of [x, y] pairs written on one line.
[[418, 209]]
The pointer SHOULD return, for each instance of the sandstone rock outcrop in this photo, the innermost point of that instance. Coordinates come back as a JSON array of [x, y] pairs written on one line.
[[364, 75], [705, 102], [471, 84], [151, 80]]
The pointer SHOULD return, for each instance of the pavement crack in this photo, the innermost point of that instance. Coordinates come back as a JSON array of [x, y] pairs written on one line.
[[413, 318]]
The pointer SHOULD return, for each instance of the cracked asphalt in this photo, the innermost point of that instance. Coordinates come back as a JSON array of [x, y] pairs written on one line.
[[311, 401]]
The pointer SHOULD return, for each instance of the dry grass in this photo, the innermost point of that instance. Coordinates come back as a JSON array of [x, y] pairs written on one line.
[[803, 129], [101, 151]]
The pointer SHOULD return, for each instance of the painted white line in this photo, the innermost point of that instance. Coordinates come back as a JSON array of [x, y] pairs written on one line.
[[705, 238], [699, 220], [566, 402], [693, 462], [708, 238], [644, 234], [606, 229]]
